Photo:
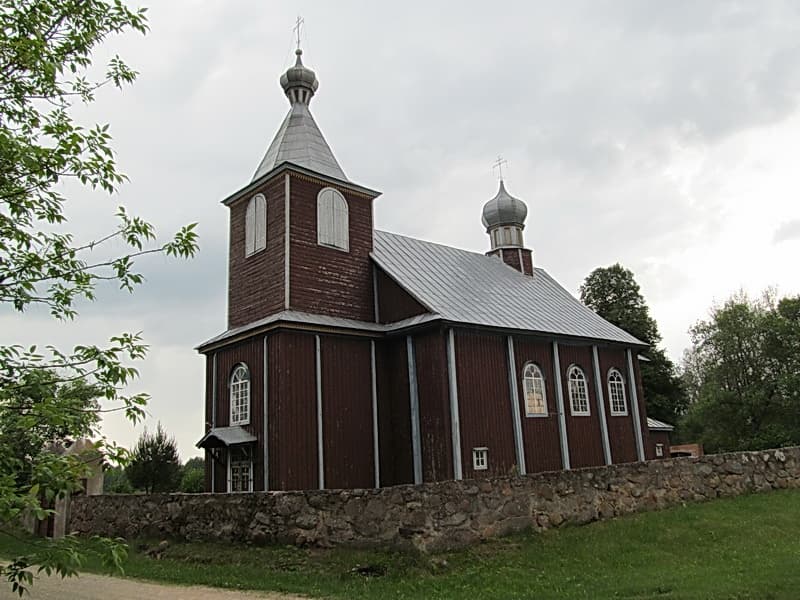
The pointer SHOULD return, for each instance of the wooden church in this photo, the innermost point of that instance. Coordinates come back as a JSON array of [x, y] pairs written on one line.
[[358, 358]]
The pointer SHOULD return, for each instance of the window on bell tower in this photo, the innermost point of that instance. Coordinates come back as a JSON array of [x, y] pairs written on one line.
[[255, 225], [333, 221]]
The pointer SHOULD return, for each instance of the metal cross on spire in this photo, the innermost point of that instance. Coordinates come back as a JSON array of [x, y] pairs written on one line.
[[498, 164], [296, 28]]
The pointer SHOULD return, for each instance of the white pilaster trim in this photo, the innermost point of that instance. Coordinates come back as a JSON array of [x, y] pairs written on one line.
[[375, 441], [266, 415], [515, 416], [601, 406], [213, 417], [413, 394], [562, 416], [455, 422], [521, 264], [286, 240], [637, 423], [320, 448]]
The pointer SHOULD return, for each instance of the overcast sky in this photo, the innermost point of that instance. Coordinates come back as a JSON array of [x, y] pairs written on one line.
[[661, 135]]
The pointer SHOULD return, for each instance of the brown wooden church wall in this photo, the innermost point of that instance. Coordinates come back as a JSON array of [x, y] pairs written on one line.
[[394, 412], [434, 406], [540, 434], [583, 433], [527, 261], [292, 412], [483, 399], [255, 282], [325, 280], [394, 303], [250, 352], [347, 412], [621, 434]]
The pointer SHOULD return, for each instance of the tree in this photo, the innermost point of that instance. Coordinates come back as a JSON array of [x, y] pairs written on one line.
[[41, 411], [46, 51], [155, 465], [193, 476], [743, 375], [116, 482], [612, 292]]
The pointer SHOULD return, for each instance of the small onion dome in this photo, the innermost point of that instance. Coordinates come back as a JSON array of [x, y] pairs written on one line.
[[299, 82], [504, 209]]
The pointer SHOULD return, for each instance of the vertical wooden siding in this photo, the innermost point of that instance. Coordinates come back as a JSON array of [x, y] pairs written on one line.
[[209, 390], [659, 437], [255, 282], [583, 433], [434, 406], [347, 412], [394, 413], [540, 434], [620, 428], [394, 303], [250, 352], [327, 280], [292, 412], [484, 405]]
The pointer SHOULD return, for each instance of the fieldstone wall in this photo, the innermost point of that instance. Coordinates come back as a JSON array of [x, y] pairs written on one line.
[[437, 516]]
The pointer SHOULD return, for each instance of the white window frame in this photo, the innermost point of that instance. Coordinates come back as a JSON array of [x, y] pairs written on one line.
[[480, 458], [239, 395], [239, 463], [255, 225], [578, 392], [659, 450], [333, 220], [531, 376], [616, 393]]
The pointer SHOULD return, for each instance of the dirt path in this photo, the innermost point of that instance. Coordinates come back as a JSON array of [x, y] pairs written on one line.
[[101, 587]]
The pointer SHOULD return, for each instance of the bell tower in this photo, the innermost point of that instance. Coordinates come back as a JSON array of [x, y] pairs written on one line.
[[504, 218]]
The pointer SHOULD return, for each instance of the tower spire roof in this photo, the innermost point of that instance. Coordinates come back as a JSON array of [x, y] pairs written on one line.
[[299, 140]]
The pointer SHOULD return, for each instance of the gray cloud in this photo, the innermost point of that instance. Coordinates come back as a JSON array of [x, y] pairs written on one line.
[[787, 231]]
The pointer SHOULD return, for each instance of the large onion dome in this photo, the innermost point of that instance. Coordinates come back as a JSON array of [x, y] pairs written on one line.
[[504, 209]]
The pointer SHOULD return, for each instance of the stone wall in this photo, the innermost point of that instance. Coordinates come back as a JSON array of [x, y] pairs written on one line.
[[437, 516]]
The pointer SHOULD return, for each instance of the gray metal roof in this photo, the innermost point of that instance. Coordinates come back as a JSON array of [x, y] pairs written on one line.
[[472, 288], [303, 318], [658, 425], [225, 436], [299, 141]]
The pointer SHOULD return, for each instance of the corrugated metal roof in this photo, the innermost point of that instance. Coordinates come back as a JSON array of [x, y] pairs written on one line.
[[472, 288], [293, 316], [300, 142], [225, 436], [658, 425]]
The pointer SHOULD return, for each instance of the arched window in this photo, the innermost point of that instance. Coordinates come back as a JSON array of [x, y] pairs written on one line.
[[333, 222], [578, 396], [255, 225], [240, 395], [616, 393], [533, 388]]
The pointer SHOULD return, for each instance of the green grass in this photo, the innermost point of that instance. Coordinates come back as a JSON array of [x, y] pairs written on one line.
[[747, 547]]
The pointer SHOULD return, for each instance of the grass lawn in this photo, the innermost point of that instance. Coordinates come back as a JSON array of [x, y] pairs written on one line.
[[747, 547]]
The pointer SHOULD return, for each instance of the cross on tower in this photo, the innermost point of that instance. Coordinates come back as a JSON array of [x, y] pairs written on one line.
[[498, 164], [296, 28]]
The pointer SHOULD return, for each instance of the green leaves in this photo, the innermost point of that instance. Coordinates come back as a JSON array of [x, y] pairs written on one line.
[[49, 395], [743, 374]]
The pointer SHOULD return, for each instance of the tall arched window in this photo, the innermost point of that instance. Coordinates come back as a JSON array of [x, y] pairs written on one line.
[[533, 388], [616, 393], [333, 221], [255, 225], [240, 395], [578, 395]]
